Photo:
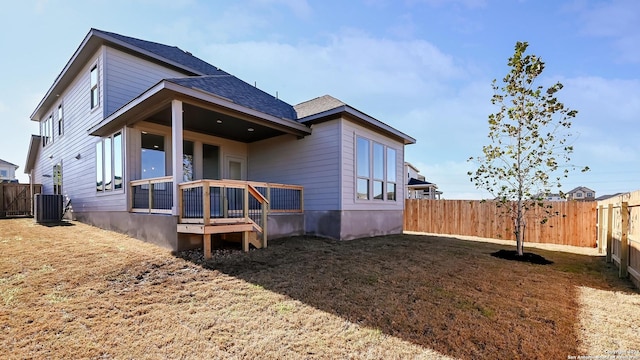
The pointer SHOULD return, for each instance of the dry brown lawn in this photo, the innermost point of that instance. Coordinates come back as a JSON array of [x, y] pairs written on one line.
[[78, 292]]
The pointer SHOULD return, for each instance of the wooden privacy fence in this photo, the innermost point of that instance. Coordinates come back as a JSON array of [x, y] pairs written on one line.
[[15, 199], [619, 232], [574, 225]]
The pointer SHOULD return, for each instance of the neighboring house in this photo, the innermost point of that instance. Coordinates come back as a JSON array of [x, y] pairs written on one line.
[[581, 193], [417, 186], [550, 197], [8, 171], [554, 197], [132, 131]]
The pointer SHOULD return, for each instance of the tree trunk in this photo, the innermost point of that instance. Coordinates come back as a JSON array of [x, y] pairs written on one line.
[[519, 230]]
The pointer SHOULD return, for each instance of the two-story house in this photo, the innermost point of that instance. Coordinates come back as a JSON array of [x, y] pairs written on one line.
[[581, 193], [416, 185], [149, 140], [7, 171]]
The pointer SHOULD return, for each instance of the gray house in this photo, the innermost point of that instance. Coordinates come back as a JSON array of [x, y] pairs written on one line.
[[148, 140]]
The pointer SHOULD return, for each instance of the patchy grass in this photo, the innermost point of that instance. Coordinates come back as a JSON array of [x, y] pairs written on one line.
[[80, 292]]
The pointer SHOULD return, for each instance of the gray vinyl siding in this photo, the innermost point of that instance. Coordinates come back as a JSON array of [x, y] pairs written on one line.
[[313, 162], [128, 76], [78, 175], [349, 132]]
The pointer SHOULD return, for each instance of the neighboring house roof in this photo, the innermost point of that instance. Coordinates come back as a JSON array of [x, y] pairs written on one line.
[[413, 181], [6, 163], [406, 163], [326, 107], [605, 197], [581, 188], [238, 91]]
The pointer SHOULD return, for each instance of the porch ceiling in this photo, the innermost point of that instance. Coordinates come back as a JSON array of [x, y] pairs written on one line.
[[214, 123]]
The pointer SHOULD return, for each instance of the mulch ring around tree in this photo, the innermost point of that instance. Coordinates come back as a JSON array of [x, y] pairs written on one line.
[[526, 257]]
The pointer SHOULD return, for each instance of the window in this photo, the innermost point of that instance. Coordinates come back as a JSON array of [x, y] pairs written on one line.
[[109, 164], [579, 195], [57, 179], [391, 174], [95, 98], [375, 171], [363, 166], [4, 174], [60, 121], [153, 156], [46, 130], [589, 194]]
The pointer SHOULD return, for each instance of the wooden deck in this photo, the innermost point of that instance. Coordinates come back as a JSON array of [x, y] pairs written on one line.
[[227, 207]]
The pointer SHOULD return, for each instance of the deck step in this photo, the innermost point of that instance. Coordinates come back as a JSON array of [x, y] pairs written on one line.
[[214, 229]]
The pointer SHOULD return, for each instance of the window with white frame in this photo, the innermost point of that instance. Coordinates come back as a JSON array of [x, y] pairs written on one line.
[[46, 130], [94, 94], [109, 164], [60, 121], [4, 174], [375, 171]]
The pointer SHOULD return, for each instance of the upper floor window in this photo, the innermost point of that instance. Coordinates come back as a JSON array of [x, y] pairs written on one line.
[[4, 174], [46, 130], [60, 121], [375, 171], [95, 98], [579, 195], [589, 194]]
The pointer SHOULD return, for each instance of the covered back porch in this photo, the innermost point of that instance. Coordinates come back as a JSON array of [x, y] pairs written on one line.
[[186, 151]]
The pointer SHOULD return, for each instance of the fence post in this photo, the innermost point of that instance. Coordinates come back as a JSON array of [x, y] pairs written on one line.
[[624, 240], [609, 232], [2, 209], [600, 229], [206, 202]]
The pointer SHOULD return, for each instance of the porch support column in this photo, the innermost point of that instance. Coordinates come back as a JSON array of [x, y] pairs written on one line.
[[176, 151]]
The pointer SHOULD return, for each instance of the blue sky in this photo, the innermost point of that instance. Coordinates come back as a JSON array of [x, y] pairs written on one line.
[[422, 66]]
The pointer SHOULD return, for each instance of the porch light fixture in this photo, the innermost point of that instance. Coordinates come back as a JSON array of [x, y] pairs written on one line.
[[219, 121], [78, 156], [250, 129]]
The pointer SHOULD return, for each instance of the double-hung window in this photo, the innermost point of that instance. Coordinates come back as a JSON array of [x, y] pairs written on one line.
[[46, 130], [60, 121], [95, 96], [375, 171]]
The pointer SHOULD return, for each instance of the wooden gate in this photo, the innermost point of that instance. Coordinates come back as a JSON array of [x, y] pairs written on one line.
[[15, 199]]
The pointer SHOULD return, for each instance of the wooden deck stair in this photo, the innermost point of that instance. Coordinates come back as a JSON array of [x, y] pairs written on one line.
[[227, 228]]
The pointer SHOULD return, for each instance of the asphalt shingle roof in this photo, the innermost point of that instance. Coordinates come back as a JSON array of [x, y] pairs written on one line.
[[317, 106], [172, 53], [230, 87], [214, 80]]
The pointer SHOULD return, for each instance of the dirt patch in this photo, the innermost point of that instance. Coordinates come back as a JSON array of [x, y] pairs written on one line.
[[525, 257], [80, 292]]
